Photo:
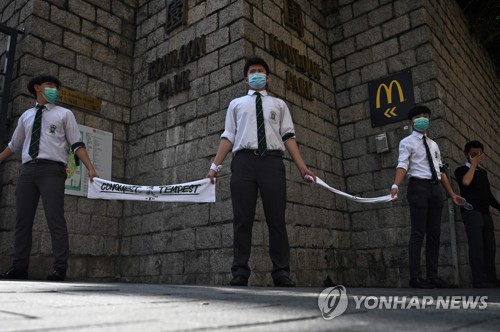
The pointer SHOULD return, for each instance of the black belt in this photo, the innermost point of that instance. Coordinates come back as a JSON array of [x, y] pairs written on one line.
[[424, 180], [276, 153], [44, 161]]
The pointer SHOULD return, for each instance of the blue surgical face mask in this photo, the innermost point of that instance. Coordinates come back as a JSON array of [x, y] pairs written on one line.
[[421, 124], [257, 81], [51, 95]]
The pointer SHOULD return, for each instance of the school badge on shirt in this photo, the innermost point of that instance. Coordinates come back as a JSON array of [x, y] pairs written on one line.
[[272, 116]]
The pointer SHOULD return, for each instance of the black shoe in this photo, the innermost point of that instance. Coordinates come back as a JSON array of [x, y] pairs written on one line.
[[484, 285], [283, 281], [441, 283], [421, 283], [239, 281], [14, 274], [57, 275]]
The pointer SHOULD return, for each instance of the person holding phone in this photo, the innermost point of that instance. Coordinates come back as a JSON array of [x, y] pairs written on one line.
[[475, 188]]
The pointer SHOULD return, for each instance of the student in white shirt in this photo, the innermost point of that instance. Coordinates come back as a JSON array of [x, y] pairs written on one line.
[[257, 166], [44, 135], [420, 159]]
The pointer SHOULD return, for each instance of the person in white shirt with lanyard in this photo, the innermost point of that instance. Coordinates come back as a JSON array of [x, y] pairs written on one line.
[[258, 129], [44, 135], [420, 159]]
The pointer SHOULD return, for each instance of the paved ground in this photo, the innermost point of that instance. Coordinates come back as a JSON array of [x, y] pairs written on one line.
[[75, 306]]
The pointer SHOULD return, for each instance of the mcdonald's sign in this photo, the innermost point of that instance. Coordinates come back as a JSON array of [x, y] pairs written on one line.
[[391, 98]]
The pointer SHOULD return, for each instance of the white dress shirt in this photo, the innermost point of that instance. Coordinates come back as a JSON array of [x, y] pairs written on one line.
[[59, 131], [241, 122], [413, 158]]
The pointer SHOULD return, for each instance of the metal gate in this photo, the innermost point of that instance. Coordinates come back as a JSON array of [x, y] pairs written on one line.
[[8, 42]]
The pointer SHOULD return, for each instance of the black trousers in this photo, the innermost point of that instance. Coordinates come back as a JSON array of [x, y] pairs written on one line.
[[47, 181], [266, 175], [482, 249], [426, 204]]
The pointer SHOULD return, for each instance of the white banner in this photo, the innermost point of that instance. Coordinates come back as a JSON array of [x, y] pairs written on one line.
[[381, 199], [200, 191]]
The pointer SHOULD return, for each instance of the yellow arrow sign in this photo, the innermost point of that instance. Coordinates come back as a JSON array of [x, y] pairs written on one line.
[[390, 112]]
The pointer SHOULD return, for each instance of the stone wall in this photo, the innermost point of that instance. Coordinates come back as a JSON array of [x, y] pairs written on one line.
[[466, 95], [89, 45], [373, 39], [175, 139], [164, 97]]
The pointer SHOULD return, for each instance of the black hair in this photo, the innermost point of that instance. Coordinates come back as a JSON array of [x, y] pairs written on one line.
[[40, 79], [417, 110], [473, 144], [255, 61]]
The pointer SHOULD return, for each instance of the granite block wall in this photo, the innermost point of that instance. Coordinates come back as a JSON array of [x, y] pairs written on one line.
[[175, 139], [89, 45], [452, 75], [165, 82]]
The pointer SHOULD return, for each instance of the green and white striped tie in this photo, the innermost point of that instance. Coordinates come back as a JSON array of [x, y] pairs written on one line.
[[261, 128], [35, 133]]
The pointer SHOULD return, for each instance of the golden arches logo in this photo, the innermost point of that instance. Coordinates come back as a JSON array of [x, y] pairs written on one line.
[[388, 91]]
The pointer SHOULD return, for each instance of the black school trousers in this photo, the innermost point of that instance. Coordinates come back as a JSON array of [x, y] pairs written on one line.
[[46, 181], [482, 248], [426, 204], [253, 174]]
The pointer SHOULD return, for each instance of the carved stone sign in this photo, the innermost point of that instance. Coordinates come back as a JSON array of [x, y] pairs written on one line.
[[291, 56], [171, 87], [176, 14], [299, 85], [293, 16], [287, 53], [189, 52]]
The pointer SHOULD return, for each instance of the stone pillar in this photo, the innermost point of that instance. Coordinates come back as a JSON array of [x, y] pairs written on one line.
[[89, 45], [165, 81], [174, 135], [451, 74]]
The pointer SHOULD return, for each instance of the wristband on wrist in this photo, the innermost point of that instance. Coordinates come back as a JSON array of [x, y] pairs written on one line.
[[395, 186], [216, 168]]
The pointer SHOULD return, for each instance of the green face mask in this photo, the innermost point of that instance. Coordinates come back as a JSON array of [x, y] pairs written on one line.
[[51, 95], [421, 124]]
